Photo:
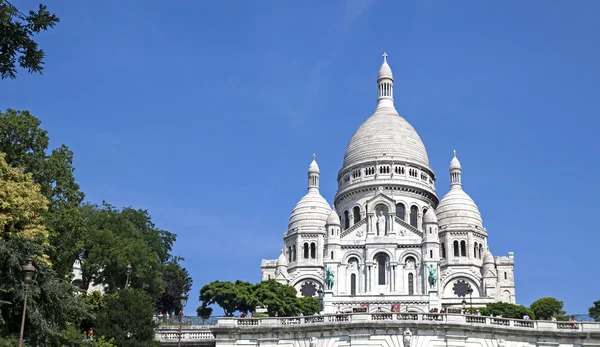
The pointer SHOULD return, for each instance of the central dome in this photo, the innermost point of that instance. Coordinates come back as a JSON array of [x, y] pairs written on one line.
[[386, 135]]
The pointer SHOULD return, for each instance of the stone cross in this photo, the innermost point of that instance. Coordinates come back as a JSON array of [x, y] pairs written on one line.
[[385, 55]]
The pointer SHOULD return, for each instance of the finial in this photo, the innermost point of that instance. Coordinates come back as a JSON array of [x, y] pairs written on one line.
[[314, 156], [454, 153], [384, 55]]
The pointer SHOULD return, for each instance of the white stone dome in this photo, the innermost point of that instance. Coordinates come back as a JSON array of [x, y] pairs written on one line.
[[333, 218], [430, 216], [488, 258], [385, 71], [385, 135], [457, 208], [311, 211], [281, 261]]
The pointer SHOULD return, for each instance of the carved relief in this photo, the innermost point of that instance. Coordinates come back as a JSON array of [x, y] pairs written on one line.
[[407, 337]]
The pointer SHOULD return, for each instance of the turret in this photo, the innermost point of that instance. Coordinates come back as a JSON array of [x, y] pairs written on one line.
[[281, 269], [332, 238], [431, 247]]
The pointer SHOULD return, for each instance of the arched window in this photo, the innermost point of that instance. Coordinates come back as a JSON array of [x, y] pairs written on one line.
[[463, 248], [400, 210], [305, 251], [480, 250], [356, 213], [411, 284], [381, 263], [353, 284], [313, 250], [289, 254], [294, 253], [475, 251], [414, 214], [443, 249], [346, 220], [456, 248], [423, 219]]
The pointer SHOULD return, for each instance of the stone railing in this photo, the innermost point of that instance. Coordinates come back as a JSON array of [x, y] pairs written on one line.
[[198, 334], [425, 318]]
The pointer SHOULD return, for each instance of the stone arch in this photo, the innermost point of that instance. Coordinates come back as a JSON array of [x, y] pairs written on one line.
[[415, 309], [411, 253], [351, 254], [360, 209], [300, 282], [448, 283], [378, 251]]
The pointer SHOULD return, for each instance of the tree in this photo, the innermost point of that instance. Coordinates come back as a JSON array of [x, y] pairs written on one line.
[[177, 280], [204, 311], [595, 311], [228, 295], [546, 308], [16, 38], [22, 205], [26, 146], [116, 238], [128, 317], [506, 310], [279, 299]]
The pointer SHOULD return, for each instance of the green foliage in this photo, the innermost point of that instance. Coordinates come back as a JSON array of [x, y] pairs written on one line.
[[52, 303], [204, 311], [260, 315], [17, 45], [279, 299], [176, 280], [42, 216], [113, 239], [128, 317], [546, 308], [506, 310], [26, 147], [594, 311]]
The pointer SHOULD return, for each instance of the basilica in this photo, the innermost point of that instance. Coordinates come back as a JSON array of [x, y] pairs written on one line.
[[388, 243]]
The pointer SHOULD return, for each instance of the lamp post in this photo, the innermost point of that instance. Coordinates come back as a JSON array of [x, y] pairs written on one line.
[[471, 300], [29, 272], [464, 304], [128, 270], [182, 300]]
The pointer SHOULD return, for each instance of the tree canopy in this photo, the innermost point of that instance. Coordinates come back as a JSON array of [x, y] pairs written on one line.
[[594, 311], [42, 215], [17, 44], [239, 296], [506, 310], [546, 308]]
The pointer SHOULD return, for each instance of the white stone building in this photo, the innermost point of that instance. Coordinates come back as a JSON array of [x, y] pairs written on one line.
[[388, 227]]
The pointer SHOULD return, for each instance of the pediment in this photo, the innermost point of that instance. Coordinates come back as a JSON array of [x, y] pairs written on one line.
[[357, 231], [490, 273], [380, 198]]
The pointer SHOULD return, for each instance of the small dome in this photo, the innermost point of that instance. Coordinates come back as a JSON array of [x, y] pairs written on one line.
[[430, 217], [313, 167], [488, 258], [281, 261], [457, 208], [454, 163], [333, 218], [385, 71], [311, 210]]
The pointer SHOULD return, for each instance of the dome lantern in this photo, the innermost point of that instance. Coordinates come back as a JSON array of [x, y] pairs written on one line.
[[385, 83]]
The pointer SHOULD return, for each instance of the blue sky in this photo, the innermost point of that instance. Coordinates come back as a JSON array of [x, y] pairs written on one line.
[[206, 113]]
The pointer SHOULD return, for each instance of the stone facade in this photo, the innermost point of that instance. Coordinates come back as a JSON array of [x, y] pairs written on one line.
[[389, 241], [384, 330]]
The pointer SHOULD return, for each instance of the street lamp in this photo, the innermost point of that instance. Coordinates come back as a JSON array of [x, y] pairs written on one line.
[[29, 272], [182, 300], [471, 300], [464, 303], [128, 271]]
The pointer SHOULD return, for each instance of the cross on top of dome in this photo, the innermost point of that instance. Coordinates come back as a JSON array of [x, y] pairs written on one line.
[[384, 55]]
